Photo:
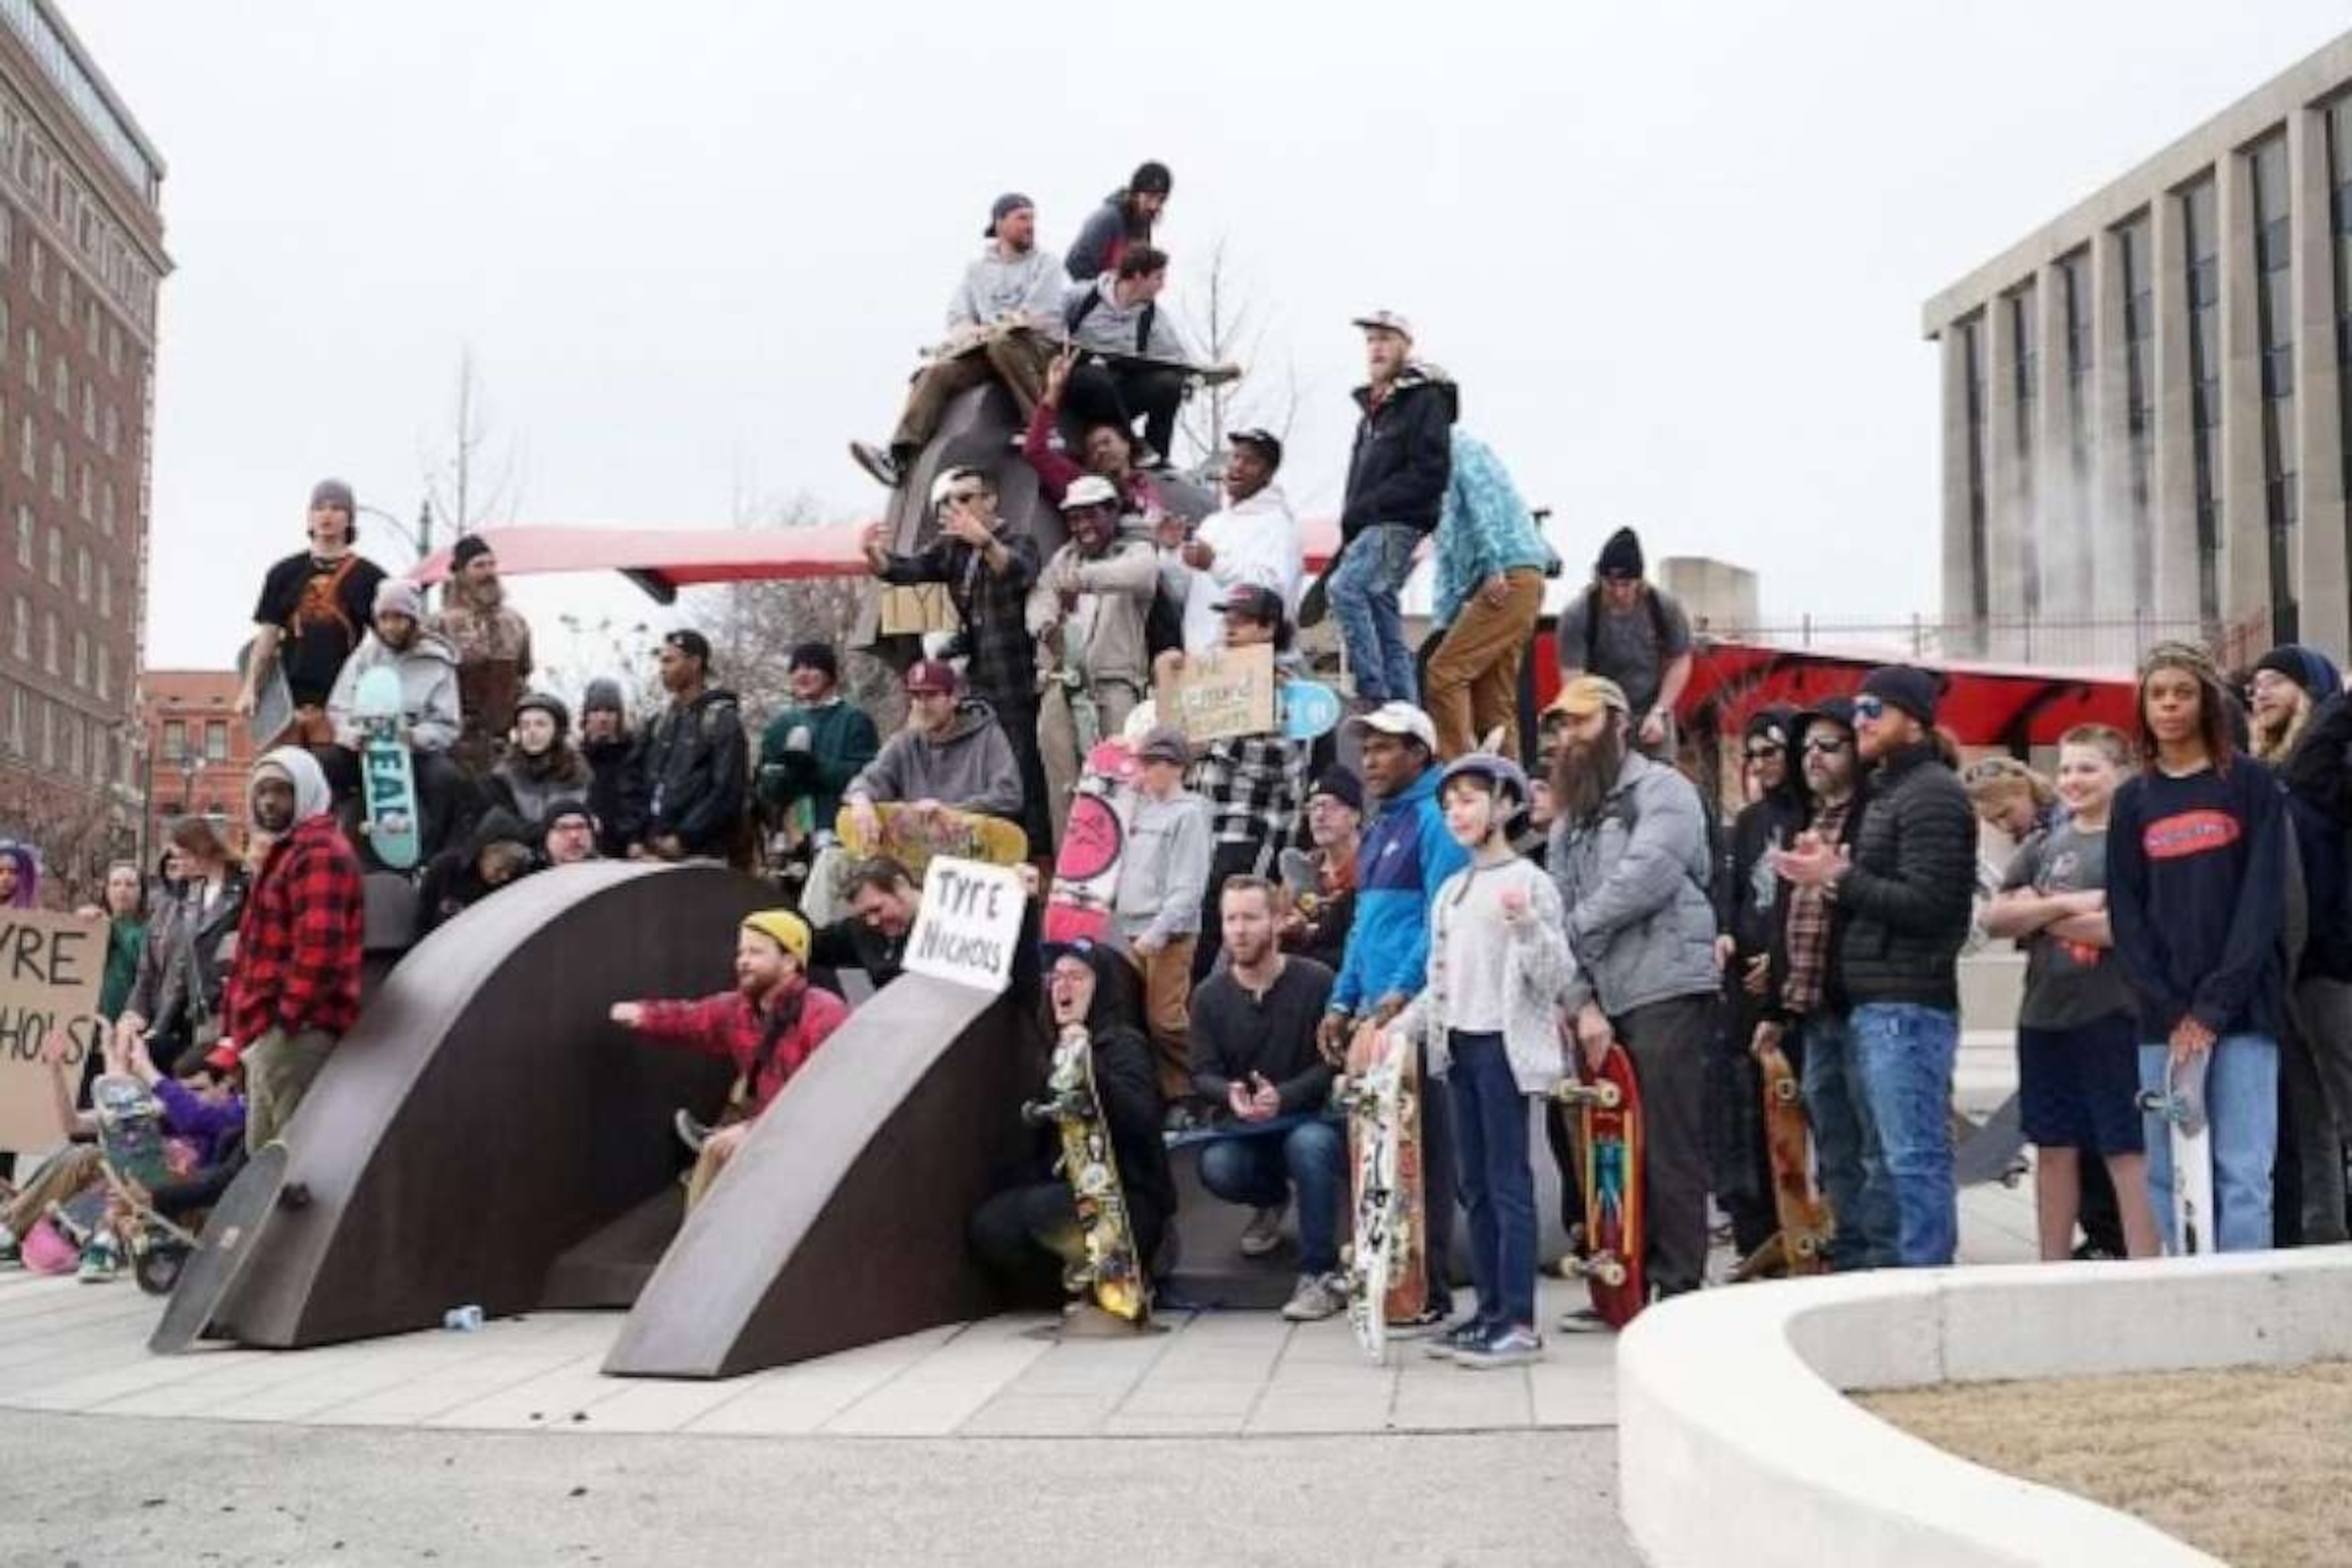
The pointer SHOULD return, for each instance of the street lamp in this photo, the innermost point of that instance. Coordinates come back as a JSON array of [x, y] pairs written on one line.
[[419, 539]]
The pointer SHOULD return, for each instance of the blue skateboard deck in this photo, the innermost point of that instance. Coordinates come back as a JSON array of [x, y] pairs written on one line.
[[387, 775]]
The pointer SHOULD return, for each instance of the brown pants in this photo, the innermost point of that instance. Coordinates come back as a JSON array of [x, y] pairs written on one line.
[[1471, 685], [62, 1176], [278, 1072], [1168, 1013], [1017, 359]]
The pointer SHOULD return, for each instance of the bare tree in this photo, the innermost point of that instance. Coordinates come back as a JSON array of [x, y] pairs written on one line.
[[76, 832], [474, 482], [1224, 326]]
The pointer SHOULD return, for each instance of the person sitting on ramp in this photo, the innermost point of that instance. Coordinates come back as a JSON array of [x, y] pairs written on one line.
[[769, 1026]]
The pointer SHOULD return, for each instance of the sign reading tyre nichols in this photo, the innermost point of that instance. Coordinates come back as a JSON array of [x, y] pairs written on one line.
[[969, 924], [51, 966]]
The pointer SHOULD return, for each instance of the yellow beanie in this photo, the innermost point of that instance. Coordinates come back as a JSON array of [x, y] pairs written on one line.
[[785, 928]]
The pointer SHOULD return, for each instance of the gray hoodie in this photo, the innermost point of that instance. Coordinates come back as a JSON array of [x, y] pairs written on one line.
[[1163, 874], [970, 768], [1635, 881], [428, 690], [994, 287]]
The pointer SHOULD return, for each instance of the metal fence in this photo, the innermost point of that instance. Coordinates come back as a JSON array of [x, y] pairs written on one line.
[[2068, 643]]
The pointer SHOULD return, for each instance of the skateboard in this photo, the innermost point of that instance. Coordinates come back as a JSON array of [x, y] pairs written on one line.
[[1308, 710], [130, 1130], [1802, 1240], [1113, 1275], [387, 775], [914, 840], [230, 1237], [1085, 873], [1609, 1132], [2180, 1105], [273, 703], [1387, 1262]]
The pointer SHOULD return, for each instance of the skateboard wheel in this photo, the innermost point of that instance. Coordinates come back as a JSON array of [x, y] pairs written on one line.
[[1786, 1091], [1606, 1095], [1609, 1271], [1806, 1246]]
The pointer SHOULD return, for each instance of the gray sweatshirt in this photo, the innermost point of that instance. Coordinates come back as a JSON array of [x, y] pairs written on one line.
[[971, 767], [1109, 327], [1164, 873], [996, 286], [1490, 974]]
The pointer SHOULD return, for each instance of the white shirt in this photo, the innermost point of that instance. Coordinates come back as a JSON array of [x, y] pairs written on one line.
[[1255, 541]]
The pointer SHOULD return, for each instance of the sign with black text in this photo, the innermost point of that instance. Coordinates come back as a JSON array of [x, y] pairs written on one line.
[[970, 924], [51, 966], [1222, 693]]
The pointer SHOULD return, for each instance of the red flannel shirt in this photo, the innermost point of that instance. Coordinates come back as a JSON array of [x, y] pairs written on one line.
[[298, 940], [729, 1024]]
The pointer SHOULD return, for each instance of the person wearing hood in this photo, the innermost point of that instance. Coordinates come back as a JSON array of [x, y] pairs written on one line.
[[493, 646], [498, 851], [429, 716], [1253, 542], [768, 1026], [1628, 630], [1028, 1235], [2301, 729], [950, 755], [692, 766], [606, 744], [541, 766], [20, 876], [1746, 912], [1492, 560], [1086, 613], [314, 609], [293, 989], [1121, 224], [813, 747], [1397, 476]]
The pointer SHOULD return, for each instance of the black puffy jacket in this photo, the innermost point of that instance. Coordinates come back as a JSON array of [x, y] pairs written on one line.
[[1904, 908], [693, 773], [1403, 457]]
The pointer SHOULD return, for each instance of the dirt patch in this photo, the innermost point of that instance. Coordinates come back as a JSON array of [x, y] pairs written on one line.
[[2247, 1464]]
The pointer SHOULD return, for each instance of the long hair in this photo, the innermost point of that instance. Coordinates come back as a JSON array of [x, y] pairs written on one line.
[[2212, 712]]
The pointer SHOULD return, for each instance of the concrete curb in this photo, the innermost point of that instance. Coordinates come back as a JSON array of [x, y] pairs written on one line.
[[1736, 1444]]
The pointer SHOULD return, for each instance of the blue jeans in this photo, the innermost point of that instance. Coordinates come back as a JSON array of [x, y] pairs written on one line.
[[1845, 1146], [1363, 593], [2242, 1105], [1906, 1052], [1261, 1172], [1498, 1185]]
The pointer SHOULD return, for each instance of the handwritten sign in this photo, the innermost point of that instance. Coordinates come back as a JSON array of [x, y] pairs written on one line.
[[969, 924], [51, 966], [1224, 692]]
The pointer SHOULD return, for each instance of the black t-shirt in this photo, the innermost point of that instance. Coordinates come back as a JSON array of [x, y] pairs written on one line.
[[321, 609], [1235, 1034]]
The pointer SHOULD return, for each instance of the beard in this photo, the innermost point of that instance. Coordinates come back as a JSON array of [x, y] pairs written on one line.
[[1584, 774]]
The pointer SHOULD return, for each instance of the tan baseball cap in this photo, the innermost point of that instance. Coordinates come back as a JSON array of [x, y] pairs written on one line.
[[1588, 695]]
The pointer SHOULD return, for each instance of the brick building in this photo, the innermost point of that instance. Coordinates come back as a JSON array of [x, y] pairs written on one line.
[[196, 754], [81, 254]]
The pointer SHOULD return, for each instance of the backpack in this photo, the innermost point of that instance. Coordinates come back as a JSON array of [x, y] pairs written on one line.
[[1593, 622], [1078, 309]]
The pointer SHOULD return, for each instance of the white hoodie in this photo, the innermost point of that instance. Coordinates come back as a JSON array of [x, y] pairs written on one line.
[[1255, 541]]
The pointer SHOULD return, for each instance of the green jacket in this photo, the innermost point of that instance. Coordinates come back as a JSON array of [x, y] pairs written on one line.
[[840, 740], [126, 939]]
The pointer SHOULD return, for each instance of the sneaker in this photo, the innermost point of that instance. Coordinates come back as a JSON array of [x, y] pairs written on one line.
[[1428, 1321], [1514, 1346], [1584, 1320], [1318, 1296], [1263, 1233], [690, 1133], [11, 1252], [1460, 1337], [100, 1263], [878, 463], [1180, 1120]]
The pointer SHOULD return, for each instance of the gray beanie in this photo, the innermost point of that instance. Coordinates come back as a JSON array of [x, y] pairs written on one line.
[[604, 693]]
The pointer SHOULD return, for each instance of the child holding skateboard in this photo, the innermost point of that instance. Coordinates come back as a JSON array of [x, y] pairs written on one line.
[[2077, 1041], [2197, 895], [1497, 963]]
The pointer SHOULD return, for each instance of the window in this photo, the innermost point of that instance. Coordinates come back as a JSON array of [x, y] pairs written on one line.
[[105, 672], [24, 537], [216, 739], [27, 447], [65, 298], [113, 349], [81, 572], [41, 270], [13, 736], [23, 641], [90, 327], [105, 589], [7, 234], [33, 359], [85, 501], [61, 389], [81, 659], [56, 470], [49, 642], [56, 558], [106, 508], [1980, 582], [175, 740], [2275, 323], [111, 441], [2202, 285], [89, 412], [2025, 339]]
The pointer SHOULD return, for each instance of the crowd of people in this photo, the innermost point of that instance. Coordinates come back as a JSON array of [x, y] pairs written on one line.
[[2180, 892]]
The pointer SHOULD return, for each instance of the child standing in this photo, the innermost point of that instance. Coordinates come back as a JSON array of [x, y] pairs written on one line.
[[1497, 961], [2197, 894], [1163, 875], [2077, 1040]]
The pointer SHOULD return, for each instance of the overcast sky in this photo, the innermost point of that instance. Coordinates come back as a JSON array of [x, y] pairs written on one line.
[[1676, 253]]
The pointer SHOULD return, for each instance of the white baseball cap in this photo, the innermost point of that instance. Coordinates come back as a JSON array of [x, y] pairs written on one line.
[[1395, 320], [1090, 489], [1401, 718]]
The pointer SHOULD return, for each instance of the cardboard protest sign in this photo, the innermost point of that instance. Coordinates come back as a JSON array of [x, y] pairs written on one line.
[[1224, 692], [51, 966], [911, 609], [969, 925]]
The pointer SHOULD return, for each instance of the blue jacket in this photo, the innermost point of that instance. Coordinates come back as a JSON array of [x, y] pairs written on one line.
[[1484, 529], [1405, 856]]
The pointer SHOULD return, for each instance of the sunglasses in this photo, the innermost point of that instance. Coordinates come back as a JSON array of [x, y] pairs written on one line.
[[1825, 745], [1871, 708], [1757, 753]]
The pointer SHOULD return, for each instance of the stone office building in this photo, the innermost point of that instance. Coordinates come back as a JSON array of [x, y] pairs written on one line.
[[2147, 430]]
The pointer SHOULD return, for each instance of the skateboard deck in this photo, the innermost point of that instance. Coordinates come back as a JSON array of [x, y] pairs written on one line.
[[1308, 709], [387, 773], [1387, 1262], [1113, 1275], [273, 703], [916, 840], [1085, 872], [2180, 1107], [1803, 1239], [229, 1239], [1609, 1126], [130, 1130]]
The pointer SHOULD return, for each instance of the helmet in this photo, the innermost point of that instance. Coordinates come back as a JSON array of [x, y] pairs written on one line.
[[1505, 775]]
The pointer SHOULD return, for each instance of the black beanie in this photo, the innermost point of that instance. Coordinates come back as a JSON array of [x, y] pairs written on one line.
[[1340, 785], [603, 694], [817, 655], [468, 547], [1774, 721], [1900, 685], [2288, 660], [1622, 556]]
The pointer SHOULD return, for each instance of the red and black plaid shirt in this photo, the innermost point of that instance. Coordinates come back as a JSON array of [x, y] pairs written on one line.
[[732, 1026], [297, 944]]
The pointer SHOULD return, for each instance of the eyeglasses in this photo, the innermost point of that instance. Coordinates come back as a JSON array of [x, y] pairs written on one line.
[[1824, 745], [1870, 707], [1757, 753]]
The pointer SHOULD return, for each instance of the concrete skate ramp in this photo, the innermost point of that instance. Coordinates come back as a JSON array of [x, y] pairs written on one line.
[[841, 1221], [484, 1116]]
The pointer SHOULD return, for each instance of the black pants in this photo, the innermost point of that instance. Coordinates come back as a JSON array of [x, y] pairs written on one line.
[[1020, 726], [1438, 1186], [1113, 392], [1028, 1235], [439, 787], [1668, 1042]]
